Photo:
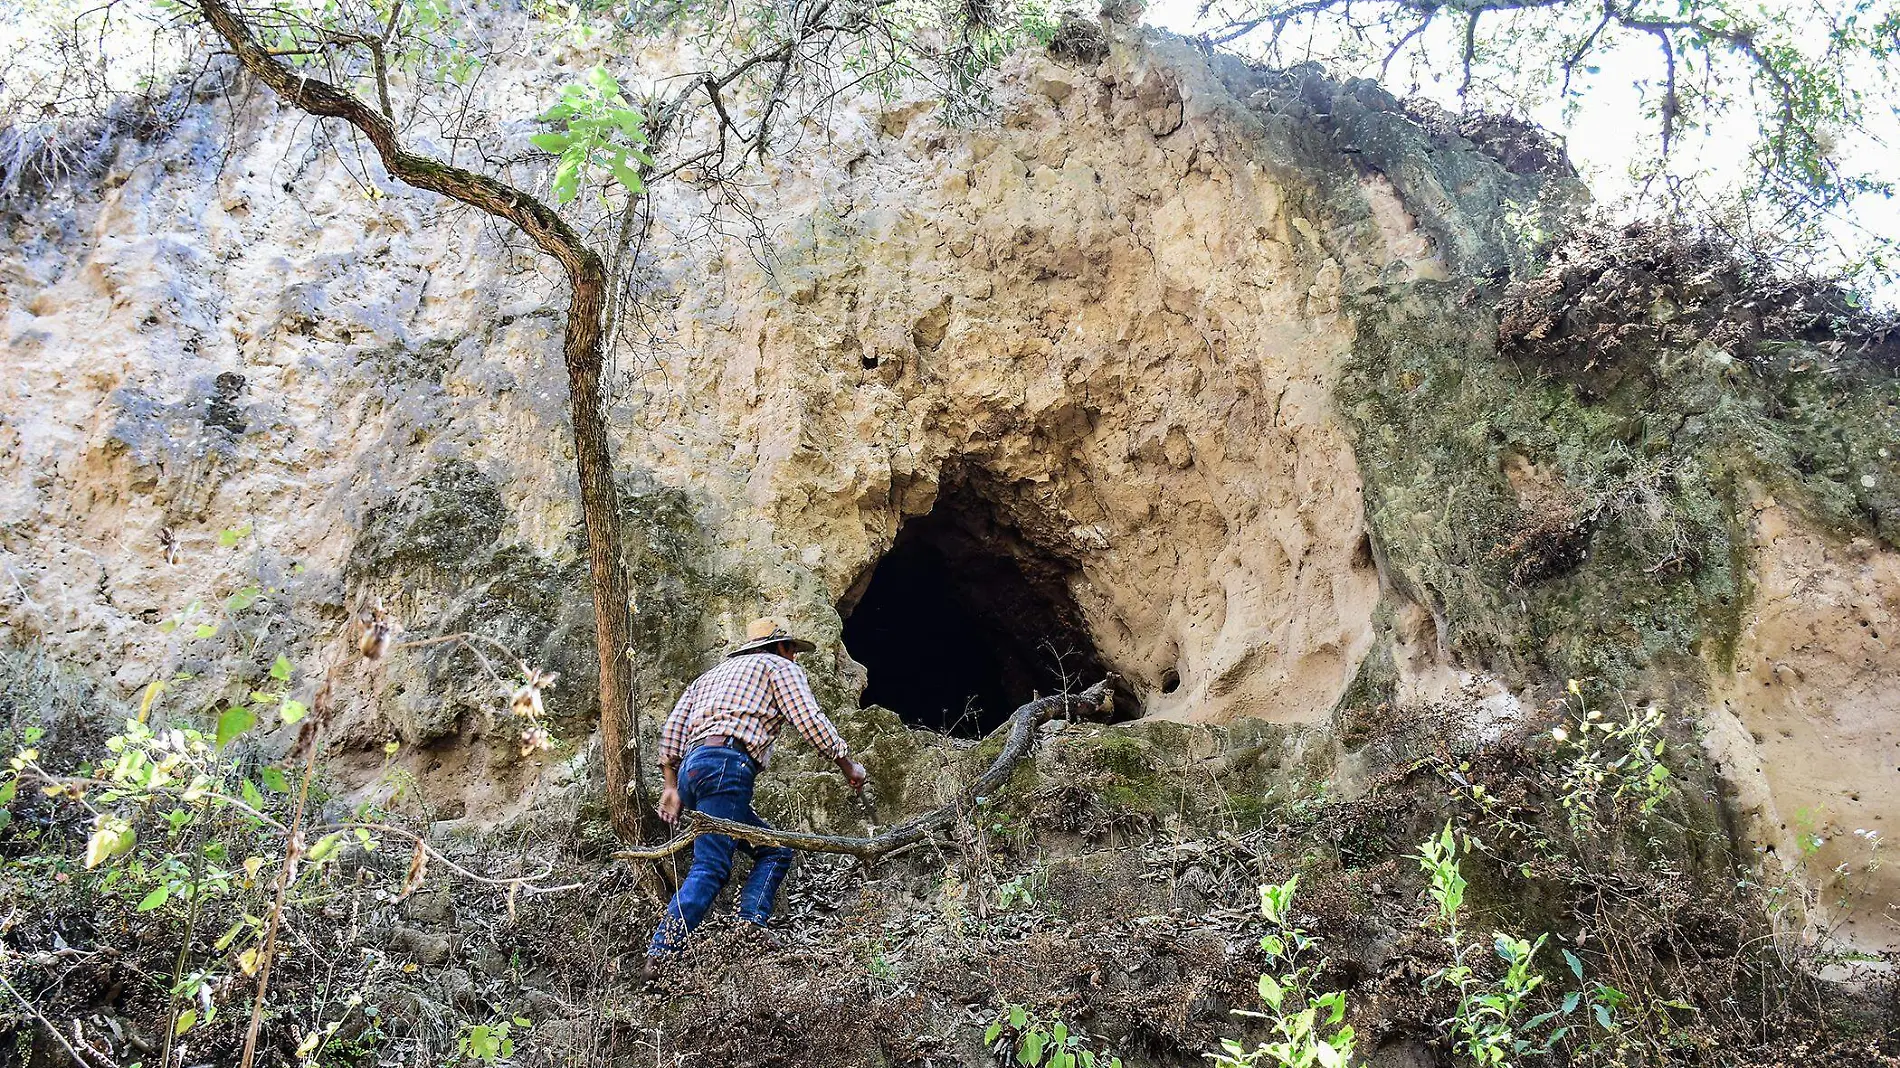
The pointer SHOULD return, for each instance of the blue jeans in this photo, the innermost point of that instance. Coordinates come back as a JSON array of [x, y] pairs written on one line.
[[718, 782]]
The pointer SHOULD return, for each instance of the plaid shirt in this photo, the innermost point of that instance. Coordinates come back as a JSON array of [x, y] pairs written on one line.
[[748, 697]]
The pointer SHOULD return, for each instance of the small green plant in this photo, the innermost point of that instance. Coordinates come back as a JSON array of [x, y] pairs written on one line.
[[1623, 758], [1300, 1018], [491, 1041], [184, 823], [1491, 1024], [598, 129], [1020, 892], [1485, 1026], [1035, 1042]]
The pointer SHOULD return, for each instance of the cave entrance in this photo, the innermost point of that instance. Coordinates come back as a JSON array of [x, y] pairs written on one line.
[[964, 620]]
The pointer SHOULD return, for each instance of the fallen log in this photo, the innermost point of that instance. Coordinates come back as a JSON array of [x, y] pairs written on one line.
[[1098, 700]]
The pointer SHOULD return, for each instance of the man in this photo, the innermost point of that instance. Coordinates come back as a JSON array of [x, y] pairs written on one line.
[[716, 740]]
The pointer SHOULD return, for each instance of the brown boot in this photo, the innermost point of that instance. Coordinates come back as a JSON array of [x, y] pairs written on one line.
[[650, 972]]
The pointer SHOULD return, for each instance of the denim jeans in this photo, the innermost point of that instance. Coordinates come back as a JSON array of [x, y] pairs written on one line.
[[718, 782]]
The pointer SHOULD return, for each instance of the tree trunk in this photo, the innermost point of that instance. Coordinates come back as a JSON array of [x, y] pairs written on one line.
[[627, 806], [600, 515]]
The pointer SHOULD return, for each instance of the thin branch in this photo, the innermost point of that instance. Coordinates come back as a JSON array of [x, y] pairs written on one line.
[[1742, 41], [1672, 103], [1417, 29], [1583, 47], [530, 883], [293, 849], [1471, 51], [380, 63]]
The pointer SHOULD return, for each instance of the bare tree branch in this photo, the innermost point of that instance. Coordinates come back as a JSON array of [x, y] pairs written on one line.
[[581, 350], [1471, 50]]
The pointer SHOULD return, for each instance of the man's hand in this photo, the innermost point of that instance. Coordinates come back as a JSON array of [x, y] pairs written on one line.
[[854, 773], [670, 805]]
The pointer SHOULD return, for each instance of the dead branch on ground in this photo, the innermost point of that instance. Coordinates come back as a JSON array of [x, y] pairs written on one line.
[[1097, 701]]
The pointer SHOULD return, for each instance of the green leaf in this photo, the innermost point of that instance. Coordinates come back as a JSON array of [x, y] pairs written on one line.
[[292, 712], [1018, 1016], [157, 897], [556, 143], [242, 599], [523, 1021], [252, 796], [630, 123], [204, 630], [280, 668], [567, 179], [1271, 991], [1060, 1032], [229, 536], [603, 81], [324, 848], [994, 1032], [234, 722], [113, 837], [1571, 1000], [1576, 965], [1030, 1054], [274, 780], [628, 178], [1603, 1015], [185, 1020]]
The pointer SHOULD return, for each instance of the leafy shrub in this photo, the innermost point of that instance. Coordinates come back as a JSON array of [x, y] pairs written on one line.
[[1036, 1042], [1300, 1018]]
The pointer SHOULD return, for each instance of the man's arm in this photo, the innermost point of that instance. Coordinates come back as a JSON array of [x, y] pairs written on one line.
[[672, 748], [791, 692]]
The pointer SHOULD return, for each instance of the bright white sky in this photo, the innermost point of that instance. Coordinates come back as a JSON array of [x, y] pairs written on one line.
[[1606, 128]]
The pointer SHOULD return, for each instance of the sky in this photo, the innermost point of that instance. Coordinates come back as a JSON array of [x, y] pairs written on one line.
[[1605, 130]]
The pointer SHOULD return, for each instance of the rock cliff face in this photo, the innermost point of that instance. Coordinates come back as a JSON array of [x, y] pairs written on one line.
[[1143, 352]]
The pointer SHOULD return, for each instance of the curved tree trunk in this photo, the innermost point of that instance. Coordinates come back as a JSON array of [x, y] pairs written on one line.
[[600, 514], [587, 282]]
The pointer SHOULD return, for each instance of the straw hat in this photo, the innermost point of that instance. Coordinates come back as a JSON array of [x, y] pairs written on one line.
[[762, 633]]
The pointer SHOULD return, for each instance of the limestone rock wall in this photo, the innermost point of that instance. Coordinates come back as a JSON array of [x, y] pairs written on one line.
[[1805, 729], [1119, 312]]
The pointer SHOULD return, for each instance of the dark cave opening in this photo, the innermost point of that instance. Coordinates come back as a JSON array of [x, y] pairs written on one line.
[[964, 620]]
